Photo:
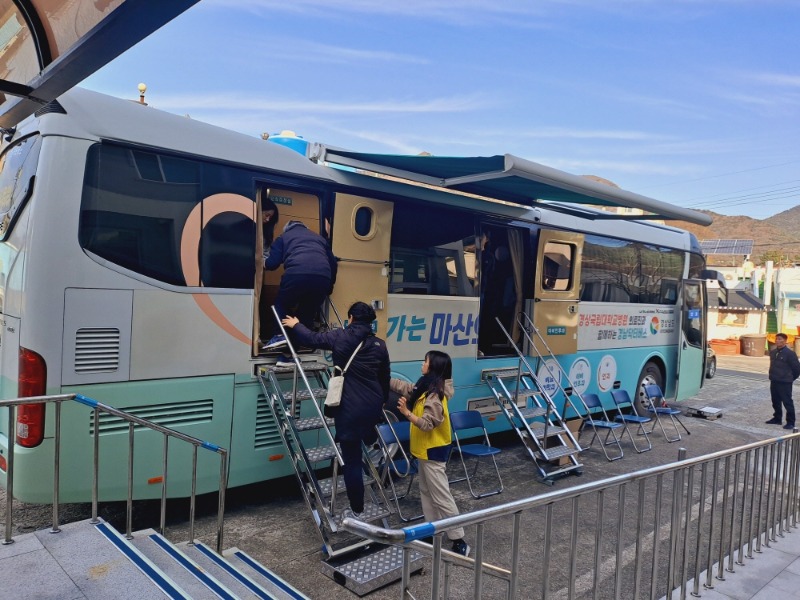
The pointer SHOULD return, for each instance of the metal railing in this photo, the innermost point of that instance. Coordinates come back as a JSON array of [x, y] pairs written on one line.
[[682, 523], [132, 421]]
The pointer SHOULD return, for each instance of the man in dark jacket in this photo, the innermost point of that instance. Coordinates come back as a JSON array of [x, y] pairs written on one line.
[[784, 368], [366, 388], [309, 273]]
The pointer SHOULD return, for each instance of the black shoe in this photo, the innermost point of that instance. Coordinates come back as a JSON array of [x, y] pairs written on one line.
[[789, 426], [773, 422], [461, 547]]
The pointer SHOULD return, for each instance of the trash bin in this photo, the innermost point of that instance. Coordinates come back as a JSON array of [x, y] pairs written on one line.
[[753, 344]]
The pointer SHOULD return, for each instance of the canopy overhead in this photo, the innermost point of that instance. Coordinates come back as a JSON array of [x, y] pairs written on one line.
[[511, 179], [49, 46]]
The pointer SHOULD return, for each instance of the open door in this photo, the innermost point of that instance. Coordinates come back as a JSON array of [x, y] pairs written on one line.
[[289, 205], [692, 343], [557, 290], [362, 231]]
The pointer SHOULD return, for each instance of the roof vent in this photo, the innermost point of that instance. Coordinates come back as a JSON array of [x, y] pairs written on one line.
[[51, 107]]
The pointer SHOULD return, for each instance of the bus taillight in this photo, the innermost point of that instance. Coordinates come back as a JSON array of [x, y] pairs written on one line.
[[32, 382]]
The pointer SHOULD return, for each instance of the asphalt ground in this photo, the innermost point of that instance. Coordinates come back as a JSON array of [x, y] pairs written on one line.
[[271, 522]]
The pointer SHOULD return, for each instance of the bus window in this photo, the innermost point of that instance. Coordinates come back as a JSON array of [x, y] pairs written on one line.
[[136, 205], [17, 168], [434, 255], [625, 271], [557, 266]]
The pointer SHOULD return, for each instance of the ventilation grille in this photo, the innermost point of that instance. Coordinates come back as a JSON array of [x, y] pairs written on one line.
[[267, 434], [97, 350], [51, 107], [169, 414]]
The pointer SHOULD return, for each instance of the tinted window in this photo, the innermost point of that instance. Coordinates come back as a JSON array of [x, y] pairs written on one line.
[[624, 271], [135, 207], [17, 169]]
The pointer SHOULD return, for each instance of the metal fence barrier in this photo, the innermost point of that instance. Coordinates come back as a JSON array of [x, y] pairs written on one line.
[[663, 531], [132, 421]]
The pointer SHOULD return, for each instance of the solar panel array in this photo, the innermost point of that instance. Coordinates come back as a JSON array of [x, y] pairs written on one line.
[[727, 246]]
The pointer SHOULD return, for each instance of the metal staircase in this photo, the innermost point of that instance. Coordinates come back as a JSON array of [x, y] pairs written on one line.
[[295, 396], [531, 411]]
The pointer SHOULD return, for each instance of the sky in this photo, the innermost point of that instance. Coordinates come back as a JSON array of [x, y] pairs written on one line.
[[692, 102]]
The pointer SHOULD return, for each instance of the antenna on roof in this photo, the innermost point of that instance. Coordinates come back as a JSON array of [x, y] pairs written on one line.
[[142, 89]]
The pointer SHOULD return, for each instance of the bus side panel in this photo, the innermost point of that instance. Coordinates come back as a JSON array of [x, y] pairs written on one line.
[[201, 407], [420, 323], [257, 451], [184, 335]]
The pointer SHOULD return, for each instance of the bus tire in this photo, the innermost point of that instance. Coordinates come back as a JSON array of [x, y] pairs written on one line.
[[651, 375]]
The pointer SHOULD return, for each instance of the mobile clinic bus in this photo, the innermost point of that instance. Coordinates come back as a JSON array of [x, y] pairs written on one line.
[[130, 272]]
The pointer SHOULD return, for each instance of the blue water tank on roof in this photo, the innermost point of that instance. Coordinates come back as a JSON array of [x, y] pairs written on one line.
[[291, 140]]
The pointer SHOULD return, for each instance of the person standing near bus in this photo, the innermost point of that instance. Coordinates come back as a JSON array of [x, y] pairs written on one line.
[[431, 437], [784, 368], [366, 389], [309, 274]]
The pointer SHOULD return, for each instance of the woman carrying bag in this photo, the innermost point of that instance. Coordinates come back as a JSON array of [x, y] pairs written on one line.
[[366, 388]]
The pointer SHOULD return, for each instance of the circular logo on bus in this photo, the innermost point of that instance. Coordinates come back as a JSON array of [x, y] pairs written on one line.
[[580, 374], [606, 373], [655, 325]]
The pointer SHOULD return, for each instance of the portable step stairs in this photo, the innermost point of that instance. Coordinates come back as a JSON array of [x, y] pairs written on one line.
[[532, 413], [295, 396]]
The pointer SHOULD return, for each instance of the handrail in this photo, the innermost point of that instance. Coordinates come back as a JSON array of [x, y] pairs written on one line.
[[132, 420], [780, 495]]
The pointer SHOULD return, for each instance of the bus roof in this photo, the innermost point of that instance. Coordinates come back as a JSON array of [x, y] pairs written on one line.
[[511, 179]]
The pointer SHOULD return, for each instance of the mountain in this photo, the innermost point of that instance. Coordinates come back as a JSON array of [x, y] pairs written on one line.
[[779, 233]]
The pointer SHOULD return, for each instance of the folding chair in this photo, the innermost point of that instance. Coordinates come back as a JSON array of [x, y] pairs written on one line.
[[658, 407], [597, 418], [623, 400], [391, 440], [462, 422]]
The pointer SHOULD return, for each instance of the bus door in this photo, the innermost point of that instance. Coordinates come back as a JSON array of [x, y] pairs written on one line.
[[556, 292], [362, 231], [692, 346], [291, 205]]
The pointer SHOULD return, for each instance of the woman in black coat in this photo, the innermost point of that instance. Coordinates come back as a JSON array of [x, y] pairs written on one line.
[[366, 388]]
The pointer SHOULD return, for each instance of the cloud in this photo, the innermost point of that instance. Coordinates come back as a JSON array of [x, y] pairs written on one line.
[[286, 49], [245, 101]]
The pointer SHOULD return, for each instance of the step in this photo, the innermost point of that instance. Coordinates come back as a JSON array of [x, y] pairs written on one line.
[[184, 571], [372, 513], [311, 423], [538, 429], [303, 394], [239, 584], [558, 452], [371, 568], [273, 583], [326, 485], [97, 571], [308, 367], [532, 412], [500, 373], [320, 453]]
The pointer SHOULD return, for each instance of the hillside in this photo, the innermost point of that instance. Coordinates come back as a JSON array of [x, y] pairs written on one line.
[[779, 233]]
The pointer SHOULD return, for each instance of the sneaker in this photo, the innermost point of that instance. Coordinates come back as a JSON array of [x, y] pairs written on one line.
[[789, 426], [349, 513], [274, 342], [461, 547], [773, 422], [285, 362]]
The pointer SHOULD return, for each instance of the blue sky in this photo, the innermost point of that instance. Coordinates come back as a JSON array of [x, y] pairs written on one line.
[[693, 102]]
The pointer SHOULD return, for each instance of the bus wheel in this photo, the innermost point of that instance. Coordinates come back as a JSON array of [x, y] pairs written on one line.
[[650, 375]]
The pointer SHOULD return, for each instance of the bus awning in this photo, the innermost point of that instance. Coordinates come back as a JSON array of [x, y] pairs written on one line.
[[510, 179], [49, 46]]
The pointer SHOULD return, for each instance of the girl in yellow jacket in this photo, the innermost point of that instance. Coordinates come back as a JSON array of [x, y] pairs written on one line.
[[424, 404]]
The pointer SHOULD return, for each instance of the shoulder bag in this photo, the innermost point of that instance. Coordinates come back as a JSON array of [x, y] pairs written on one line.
[[336, 385]]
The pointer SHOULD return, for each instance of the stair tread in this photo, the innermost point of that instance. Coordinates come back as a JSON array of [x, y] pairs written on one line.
[[303, 394], [308, 367], [320, 453], [538, 430], [534, 411], [558, 452], [310, 423]]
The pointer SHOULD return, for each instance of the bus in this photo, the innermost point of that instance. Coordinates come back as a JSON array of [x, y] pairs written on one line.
[[131, 273]]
